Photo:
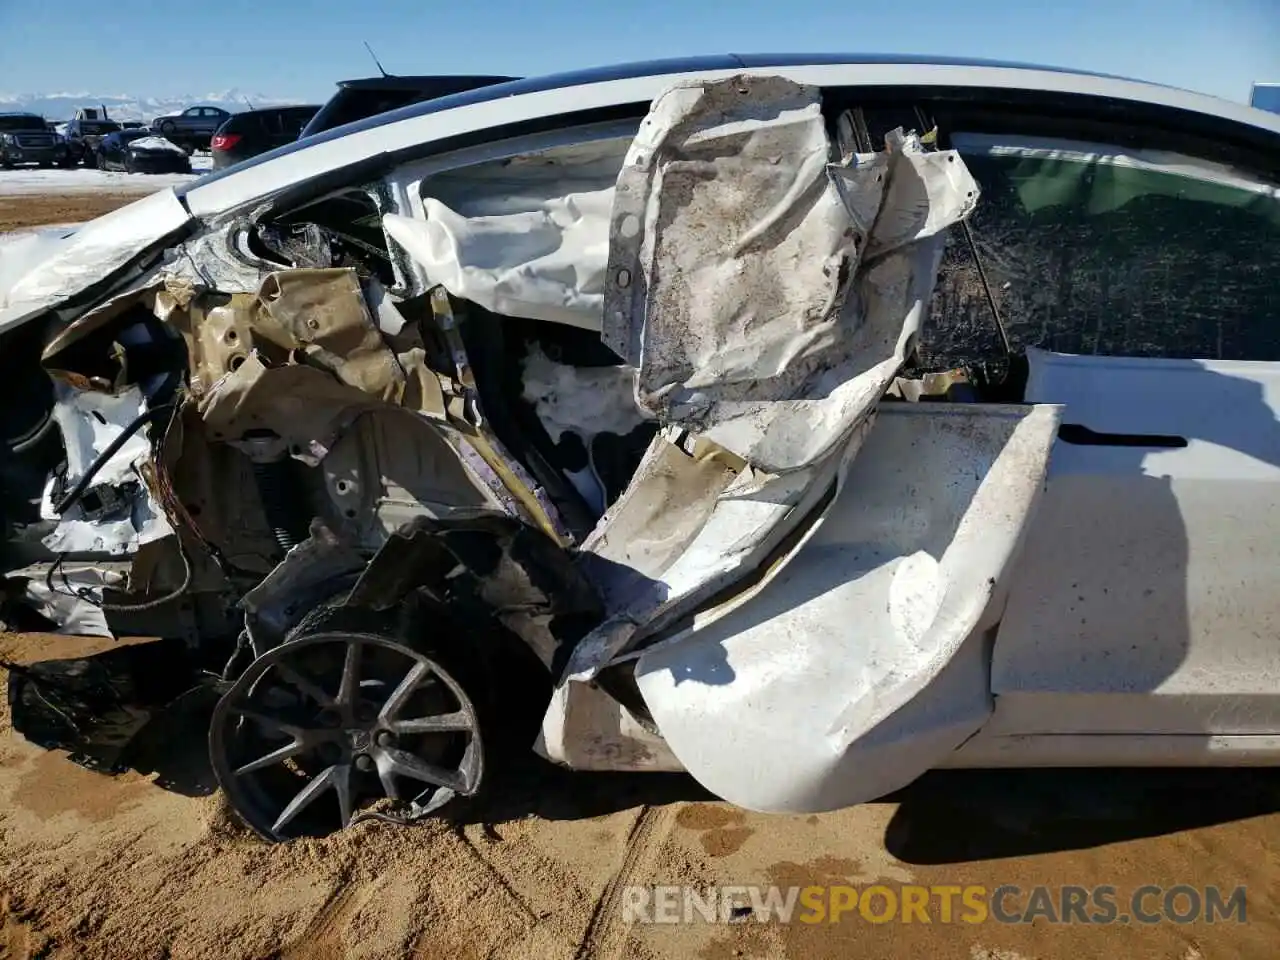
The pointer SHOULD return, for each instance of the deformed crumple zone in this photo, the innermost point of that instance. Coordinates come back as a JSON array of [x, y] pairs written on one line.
[[125, 514], [485, 564], [766, 295], [768, 298]]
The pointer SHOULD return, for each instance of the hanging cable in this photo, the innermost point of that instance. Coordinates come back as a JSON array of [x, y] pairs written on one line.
[[75, 493]]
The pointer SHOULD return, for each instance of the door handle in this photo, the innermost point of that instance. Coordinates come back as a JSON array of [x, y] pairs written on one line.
[[1080, 435]]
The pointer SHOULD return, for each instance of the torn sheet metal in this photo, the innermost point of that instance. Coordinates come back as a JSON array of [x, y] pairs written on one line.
[[118, 513], [309, 574], [773, 709], [485, 564], [322, 315], [766, 295], [304, 358], [768, 299]]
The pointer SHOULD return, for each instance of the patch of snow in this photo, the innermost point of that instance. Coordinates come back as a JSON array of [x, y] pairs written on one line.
[[23, 181], [156, 143]]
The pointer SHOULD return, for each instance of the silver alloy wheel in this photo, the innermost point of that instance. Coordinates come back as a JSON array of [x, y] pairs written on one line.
[[356, 715]]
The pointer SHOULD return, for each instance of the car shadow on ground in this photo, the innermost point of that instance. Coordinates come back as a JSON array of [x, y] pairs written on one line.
[[945, 817], [956, 816]]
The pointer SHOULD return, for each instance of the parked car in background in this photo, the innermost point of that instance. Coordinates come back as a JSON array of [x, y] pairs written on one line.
[[141, 151], [257, 131], [193, 128], [83, 133], [358, 99], [26, 138]]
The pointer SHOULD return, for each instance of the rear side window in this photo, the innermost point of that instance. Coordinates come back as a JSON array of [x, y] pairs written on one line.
[[351, 104], [296, 120], [1088, 249]]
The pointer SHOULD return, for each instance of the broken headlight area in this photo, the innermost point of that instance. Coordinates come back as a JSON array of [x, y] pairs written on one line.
[[584, 403]]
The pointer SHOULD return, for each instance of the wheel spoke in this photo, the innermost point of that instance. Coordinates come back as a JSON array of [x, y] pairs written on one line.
[[342, 786], [443, 723], [306, 686], [273, 724], [350, 675], [305, 796], [388, 778], [400, 695], [404, 764], [274, 757]]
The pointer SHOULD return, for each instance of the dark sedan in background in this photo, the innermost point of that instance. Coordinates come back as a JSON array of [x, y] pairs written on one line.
[[253, 132], [193, 127], [141, 151]]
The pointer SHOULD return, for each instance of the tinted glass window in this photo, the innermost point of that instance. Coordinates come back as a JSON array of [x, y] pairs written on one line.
[[21, 123], [1267, 97], [1088, 251], [350, 105], [98, 127]]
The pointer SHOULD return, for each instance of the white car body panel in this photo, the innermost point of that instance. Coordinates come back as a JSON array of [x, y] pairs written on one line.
[[1147, 602], [69, 265], [863, 664], [264, 179]]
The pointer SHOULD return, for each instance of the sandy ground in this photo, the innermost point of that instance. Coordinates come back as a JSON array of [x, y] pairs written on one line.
[[148, 864]]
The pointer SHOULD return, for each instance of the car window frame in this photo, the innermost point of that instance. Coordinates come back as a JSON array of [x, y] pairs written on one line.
[[1126, 141]]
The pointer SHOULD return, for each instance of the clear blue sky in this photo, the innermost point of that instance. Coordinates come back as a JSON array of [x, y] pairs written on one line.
[[274, 48]]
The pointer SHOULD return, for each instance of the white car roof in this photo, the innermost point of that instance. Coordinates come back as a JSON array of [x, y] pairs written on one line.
[[524, 100]]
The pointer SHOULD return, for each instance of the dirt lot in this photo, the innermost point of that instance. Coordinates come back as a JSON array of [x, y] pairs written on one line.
[[147, 864], [34, 211]]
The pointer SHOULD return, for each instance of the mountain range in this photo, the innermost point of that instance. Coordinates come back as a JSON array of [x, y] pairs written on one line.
[[62, 106]]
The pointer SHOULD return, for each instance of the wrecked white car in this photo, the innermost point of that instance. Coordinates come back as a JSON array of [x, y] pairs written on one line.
[[802, 425]]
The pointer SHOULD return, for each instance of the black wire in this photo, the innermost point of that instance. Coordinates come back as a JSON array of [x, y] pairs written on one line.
[[86, 594], [977, 261], [986, 288], [100, 460]]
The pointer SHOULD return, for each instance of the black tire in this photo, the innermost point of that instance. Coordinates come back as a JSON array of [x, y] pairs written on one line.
[[167, 128]]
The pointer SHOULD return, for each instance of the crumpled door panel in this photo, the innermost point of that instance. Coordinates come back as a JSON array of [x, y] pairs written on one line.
[[865, 661], [767, 296]]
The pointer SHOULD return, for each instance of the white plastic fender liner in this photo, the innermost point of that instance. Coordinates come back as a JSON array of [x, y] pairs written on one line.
[[863, 664]]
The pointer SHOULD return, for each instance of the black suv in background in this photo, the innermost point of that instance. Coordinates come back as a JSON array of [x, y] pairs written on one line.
[[253, 132], [26, 138], [83, 135], [358, 99]]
